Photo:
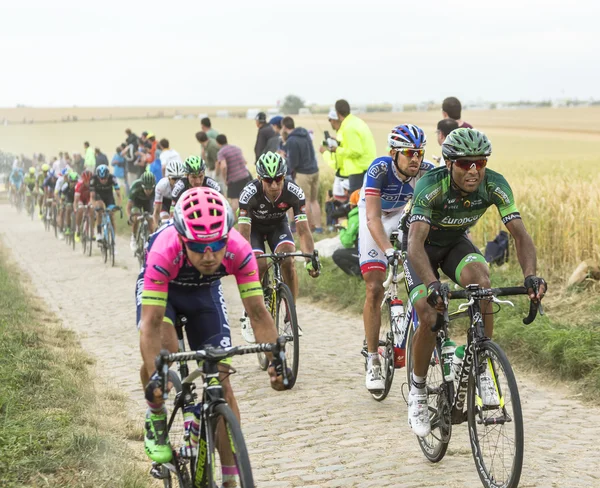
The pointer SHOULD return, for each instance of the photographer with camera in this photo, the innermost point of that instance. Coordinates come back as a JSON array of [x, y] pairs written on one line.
[[341, 185]]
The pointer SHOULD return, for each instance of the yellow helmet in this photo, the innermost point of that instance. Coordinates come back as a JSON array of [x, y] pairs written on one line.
[[32, 170], [45, 167]]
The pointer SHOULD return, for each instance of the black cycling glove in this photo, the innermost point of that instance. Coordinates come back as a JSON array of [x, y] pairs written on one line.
[[433, 293], [534, 283]]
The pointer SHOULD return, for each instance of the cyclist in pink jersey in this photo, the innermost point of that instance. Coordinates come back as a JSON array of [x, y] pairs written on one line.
[[185, 262]]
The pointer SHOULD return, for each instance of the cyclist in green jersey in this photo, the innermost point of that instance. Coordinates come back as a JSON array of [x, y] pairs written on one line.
[[30, 182], [40, 185], [141, 199], [447, 201]]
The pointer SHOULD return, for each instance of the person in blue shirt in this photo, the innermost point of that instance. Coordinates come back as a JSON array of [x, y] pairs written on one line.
[[119, 171], [16, 182], [388, 185]]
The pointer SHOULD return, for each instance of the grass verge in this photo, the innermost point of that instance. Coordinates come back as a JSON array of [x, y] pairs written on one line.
[[564, 343], [57, 428]]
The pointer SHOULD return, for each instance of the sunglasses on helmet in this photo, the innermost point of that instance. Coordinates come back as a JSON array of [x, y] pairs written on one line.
[[411, 153], [201, 247], [467, 164], [277, 179]]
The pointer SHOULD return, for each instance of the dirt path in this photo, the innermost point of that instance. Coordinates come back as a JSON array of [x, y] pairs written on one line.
[[327, 432]]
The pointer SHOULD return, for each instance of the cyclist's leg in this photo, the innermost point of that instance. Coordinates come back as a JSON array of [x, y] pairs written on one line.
[[135, 213], [148, 207], [280, 239], [99, 204], [466, 265], [257, 241]]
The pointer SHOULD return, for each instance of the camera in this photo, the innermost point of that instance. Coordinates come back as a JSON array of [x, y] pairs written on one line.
[[329, 141]]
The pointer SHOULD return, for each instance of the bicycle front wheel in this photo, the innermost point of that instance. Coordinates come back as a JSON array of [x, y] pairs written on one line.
[[55, 221], [435, 445], [287, 326], [495, 419], [386, 352], [111, 244], [226, 442]]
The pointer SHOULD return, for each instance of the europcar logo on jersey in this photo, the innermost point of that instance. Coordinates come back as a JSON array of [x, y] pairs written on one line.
[[434, 193], [498, 191]]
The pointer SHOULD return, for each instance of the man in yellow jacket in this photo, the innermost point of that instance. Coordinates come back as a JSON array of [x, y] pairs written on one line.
[[357, 149]]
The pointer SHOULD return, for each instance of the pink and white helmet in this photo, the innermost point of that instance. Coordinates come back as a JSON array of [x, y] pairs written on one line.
[[203, 215]]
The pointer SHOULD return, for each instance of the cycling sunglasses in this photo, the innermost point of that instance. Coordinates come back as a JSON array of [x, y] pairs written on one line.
[[201, 247], [277, 179], [411, 153], [467, 164]]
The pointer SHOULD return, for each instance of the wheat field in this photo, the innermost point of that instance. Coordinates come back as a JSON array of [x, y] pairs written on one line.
[[549, 156]]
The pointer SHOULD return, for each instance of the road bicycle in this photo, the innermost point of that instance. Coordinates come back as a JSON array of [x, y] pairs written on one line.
[[194, 465], [141, 236], [280, 304], [107, 239], [86, 231], [455, 394]]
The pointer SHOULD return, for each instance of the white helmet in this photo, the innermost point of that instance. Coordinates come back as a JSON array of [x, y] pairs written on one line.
[[175, 169]]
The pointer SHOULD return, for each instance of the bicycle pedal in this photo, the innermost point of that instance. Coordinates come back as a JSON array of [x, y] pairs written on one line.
[[159, 471]]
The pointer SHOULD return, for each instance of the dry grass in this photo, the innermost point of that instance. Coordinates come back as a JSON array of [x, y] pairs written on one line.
[[549, 156]]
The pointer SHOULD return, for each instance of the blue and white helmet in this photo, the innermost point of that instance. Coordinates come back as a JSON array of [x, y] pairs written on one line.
[[102, 171], [407, 136]]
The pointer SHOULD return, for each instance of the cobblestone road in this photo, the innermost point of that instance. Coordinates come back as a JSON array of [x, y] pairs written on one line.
[[327, 432]]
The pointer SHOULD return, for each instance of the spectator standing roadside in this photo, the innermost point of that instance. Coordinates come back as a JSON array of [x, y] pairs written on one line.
[[265, 132], [167, 154], [231, 166], [274, 143], [118, 163], [357, 148], [302, 162], [89, 157], [100, 157], [452, 109], [340, 181], [59, 164], [128, 153], [210, 150], [78, 163], [444, 127], [206, 126]]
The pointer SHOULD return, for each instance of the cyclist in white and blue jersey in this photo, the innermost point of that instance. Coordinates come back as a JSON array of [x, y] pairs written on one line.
[[388, 185]]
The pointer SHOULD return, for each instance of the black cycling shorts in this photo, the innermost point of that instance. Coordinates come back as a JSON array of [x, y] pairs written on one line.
[[143, 205], [107, 198], [275, 235], [166, 205], [450, 259]]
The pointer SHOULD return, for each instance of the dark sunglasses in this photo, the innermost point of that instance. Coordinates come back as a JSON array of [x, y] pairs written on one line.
[[201, 247], [466, 164], [277, 179], [411, 153]]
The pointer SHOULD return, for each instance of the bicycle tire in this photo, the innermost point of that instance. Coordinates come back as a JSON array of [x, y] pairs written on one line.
[[111, 244], [386, 341], [489, 350], [46, 219], [73, 223], [263, 362], [31, 209], [222, 411], [90, 234], [284, 294], [83, 234], [55, 221], [435, 445], [142, 237], [104, 243]]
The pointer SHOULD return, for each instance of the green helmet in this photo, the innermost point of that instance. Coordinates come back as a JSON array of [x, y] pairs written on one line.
[[465, 142], [271, 165], [148, 180], [73, 177], [194, 165]]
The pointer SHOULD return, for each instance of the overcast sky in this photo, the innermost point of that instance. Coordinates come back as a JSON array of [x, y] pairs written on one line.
[[240, 52]]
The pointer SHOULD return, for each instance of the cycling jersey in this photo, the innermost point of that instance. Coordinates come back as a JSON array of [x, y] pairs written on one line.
[[162, 190], [256, 208], [16, 177], [49, 183], [104, 191], [184, 184], [41, 178], [138, 196], [59, 184], [450, 214], [30, 181], [67, 192], [383, 180], [167, 268], [83, 191]]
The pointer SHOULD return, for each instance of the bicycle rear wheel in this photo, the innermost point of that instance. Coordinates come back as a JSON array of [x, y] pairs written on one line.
[[142, 237], [496, 432], [73, 229], [435, 445], [228, 435], [286, 323], [386, 351]]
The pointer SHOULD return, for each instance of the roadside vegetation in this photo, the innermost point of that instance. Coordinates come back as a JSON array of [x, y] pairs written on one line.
[[564, 343], [57, 426]]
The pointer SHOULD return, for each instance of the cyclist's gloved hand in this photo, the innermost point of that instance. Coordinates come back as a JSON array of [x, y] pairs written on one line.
[[311, 269], [434, 297], [390, 254], [275, 371], [531, 283]]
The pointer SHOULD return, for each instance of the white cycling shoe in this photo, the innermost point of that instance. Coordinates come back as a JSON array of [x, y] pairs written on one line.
[[374, 379], [247, 331], [418, 414], [489, 394]]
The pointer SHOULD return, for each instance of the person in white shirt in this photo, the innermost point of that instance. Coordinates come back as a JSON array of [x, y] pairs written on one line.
[[167, 154], [162, 192]]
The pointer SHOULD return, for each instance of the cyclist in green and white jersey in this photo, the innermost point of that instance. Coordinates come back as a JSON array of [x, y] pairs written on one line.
[[448, 200]]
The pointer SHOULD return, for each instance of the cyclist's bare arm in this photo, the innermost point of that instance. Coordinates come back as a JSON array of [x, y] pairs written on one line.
[[307, 244], [128, 210], [150, 342], [525, 247], [374, 223], [156, 214], [417, 234], [119, 199], [245, 229]]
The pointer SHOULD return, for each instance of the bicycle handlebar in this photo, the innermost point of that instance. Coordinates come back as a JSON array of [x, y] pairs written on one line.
[[280, 256], [478, 293], [214, 355]]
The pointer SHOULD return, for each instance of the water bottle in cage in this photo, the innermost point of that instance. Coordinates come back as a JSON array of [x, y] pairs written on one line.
[[399, 328]]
